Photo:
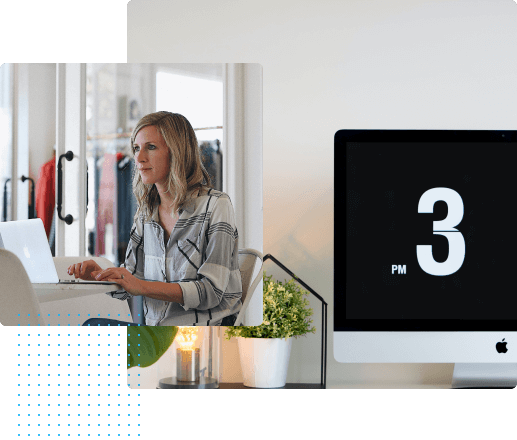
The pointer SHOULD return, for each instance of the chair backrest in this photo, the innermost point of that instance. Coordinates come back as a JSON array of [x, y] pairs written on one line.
[[18, 302], [247, 262]]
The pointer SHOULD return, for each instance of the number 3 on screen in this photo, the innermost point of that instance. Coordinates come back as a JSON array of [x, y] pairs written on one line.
[[445, 227]]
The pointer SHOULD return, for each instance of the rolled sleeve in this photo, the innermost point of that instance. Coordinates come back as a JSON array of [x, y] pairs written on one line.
[[191, 297], [221, 263]]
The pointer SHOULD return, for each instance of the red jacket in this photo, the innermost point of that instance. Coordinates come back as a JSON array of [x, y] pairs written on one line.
[[46, 193]]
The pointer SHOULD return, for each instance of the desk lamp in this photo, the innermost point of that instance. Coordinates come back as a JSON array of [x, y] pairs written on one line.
[[324, 305]]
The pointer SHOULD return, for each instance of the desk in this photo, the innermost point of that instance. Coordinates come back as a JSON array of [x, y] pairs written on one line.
[[288, 386], [386, 385], [335, 386], [350, 385], [71, 305]]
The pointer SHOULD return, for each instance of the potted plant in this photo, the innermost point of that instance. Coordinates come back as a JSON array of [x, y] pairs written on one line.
[[264, 350]]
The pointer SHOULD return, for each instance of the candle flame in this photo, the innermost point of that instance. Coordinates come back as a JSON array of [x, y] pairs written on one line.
[[186, 337]]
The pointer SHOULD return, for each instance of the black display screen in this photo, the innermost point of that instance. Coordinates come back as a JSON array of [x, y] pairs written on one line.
[[424, 228]]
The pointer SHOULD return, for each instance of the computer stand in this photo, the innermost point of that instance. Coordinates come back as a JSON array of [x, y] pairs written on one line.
[[484, 375]]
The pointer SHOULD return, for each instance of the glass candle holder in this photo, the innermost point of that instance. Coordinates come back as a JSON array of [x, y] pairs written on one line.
[[196, 364]]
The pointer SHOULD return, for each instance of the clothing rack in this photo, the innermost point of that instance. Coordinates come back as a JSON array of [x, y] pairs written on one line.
[[127, 135]]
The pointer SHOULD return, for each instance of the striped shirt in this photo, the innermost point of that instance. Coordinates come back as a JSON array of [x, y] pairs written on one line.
[[202, 256]]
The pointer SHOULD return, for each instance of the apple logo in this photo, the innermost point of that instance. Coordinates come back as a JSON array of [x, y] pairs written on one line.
[[501, 347]]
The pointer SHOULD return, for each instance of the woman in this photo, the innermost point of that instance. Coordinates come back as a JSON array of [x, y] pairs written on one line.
[[182, 255]]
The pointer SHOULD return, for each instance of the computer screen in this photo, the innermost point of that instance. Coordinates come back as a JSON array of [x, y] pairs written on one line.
[[424, 235]]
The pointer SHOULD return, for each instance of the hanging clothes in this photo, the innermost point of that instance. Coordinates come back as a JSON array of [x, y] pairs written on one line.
[[107, 205], [46, 193], [212, 161], [126, 203]]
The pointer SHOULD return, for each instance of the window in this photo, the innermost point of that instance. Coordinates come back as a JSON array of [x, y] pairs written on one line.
[[5, 140], [199, 100], [196, 92]]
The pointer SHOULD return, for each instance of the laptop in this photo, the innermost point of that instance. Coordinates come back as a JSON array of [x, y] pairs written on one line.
[[28, 241]]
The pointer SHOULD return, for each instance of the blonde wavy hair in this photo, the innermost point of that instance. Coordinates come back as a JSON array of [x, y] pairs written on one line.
[[186, 173]]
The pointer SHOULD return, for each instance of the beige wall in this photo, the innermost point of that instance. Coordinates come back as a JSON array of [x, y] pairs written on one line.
[[331, 65]]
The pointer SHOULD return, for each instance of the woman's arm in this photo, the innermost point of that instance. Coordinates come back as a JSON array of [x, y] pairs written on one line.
[[153, 289], [165, 291], [133, 264], [219, 273]]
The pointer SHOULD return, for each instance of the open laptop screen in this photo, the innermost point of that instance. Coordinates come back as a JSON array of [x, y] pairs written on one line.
[[28, 241]]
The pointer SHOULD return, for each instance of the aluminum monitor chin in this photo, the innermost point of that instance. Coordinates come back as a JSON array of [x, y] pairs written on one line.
[[425, 246]]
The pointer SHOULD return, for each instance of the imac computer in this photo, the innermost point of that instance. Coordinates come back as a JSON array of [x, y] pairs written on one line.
[[425, 251]]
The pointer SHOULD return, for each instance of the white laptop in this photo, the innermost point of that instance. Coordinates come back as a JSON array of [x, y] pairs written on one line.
[[28, 241]]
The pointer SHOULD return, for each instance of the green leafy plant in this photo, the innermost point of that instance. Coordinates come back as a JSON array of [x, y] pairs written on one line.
[[286, 312], [145, 345]]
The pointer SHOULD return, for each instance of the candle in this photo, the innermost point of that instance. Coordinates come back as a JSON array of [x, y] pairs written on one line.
[[197, 359], [187, 365], [187, 355]]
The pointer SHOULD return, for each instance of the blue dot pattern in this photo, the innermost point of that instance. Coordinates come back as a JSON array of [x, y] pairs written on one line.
[[67, 319], [72, 383]]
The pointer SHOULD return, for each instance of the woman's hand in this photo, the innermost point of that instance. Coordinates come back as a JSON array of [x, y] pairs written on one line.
[[84, 270], [123, 278]]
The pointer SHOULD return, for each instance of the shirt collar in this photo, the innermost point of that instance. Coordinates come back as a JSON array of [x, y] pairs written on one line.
[[188, 206]]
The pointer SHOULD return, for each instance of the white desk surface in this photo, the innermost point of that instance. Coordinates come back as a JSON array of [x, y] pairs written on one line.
[[336, 385], [54, 292], [147, 378], [151, 384]]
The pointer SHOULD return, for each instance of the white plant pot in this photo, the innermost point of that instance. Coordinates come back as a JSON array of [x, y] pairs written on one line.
[[264, 361]]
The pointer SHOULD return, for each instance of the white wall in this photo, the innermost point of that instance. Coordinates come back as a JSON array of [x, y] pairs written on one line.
[[42, 114], [330, 65]]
